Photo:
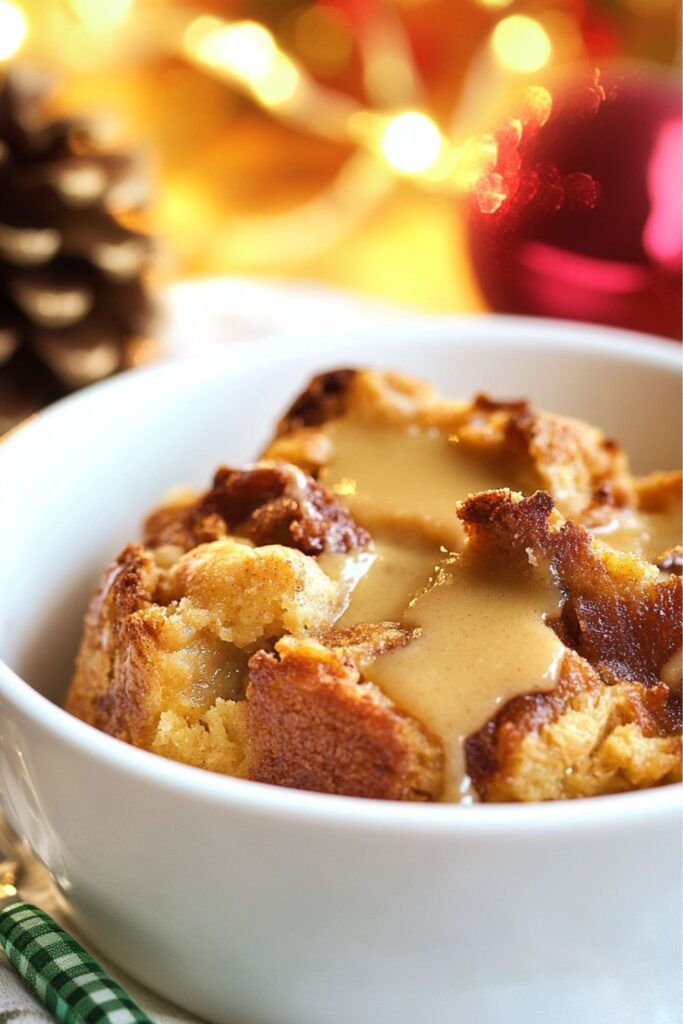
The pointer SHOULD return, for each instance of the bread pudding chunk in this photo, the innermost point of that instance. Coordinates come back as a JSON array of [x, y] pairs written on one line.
[[407, 598], [367, 431], [613, 720], [313, 723], [618, 611], [268, 504]]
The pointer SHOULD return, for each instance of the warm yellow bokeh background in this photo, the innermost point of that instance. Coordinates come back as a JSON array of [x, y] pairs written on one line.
[[238, 190]]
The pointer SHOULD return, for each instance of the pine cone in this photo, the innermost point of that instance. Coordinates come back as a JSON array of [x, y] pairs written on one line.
[[72, 297]]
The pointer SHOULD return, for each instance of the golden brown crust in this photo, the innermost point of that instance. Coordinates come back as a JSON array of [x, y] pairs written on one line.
[[154, 661], [609, 724], [177, 640], [364, 642], [323, 399], [95, 695], [312, 724], [171, 678], [585, 472], [659, 492], [617, 613], [182, 526], [584, 738], [268, 504]]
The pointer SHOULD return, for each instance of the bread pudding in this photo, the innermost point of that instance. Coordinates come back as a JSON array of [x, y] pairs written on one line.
[[405, 598]]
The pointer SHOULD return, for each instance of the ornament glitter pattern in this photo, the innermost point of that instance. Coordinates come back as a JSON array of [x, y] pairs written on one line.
[[72, 293], [590, 224]]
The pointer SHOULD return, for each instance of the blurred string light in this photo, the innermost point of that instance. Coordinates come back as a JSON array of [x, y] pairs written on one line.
[[390, 78], [246, 54], [411, 142], [521, 44], [408, 141], [245, 51], [13, 29], [390, 135]]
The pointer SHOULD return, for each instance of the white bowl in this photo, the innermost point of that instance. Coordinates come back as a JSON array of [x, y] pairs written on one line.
[[249, 903]]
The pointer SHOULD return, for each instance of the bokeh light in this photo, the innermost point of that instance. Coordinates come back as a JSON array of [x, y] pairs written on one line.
[[521, 44], [13, 29], [347, 101], [247, 52], [411, 142], [101, 13], [246, 48], [476, 158]]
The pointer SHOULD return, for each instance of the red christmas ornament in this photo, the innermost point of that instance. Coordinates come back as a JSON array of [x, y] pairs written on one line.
[[586, 218]]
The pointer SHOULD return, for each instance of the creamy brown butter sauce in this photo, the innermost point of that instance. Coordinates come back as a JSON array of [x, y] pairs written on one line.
[[647, 534], [386, 579], [409, 476], [484, 641], [483, 635]]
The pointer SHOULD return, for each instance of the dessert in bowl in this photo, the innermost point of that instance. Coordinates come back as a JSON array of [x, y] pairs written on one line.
[[370, 609], [254, 902]]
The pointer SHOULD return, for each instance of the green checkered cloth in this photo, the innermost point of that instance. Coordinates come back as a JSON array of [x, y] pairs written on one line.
[[19, 1005], [72, 985]]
